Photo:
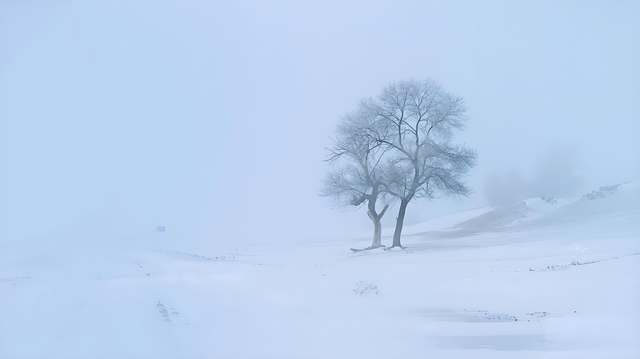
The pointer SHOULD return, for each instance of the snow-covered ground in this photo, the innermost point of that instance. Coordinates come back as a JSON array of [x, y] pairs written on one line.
[[541, 278]]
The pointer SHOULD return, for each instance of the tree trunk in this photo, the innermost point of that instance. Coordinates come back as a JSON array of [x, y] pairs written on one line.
[[399, 224], [377, 233]]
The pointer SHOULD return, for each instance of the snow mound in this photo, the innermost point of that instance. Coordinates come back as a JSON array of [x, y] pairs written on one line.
[[444, 222], [498, 217], [607, 200], [624, 197], [604, 191]]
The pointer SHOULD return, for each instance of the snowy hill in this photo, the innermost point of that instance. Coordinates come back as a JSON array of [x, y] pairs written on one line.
[[545, 211], [552, 278]]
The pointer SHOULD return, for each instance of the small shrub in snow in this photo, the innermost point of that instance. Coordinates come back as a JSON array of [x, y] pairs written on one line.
[[604, 191], [165, 313]]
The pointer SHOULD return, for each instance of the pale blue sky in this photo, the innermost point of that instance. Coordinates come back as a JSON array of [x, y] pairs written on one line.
[[211, 117]]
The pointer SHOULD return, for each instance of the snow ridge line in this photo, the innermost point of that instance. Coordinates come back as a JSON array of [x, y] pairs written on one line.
[[576, 263], [221, 258], [14, 278], [191, 255]]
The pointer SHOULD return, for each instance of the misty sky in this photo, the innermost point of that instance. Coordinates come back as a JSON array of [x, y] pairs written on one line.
[[211, 118]]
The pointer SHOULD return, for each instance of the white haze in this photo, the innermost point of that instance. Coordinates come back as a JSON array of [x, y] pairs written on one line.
[[555, 174], [211, 118]]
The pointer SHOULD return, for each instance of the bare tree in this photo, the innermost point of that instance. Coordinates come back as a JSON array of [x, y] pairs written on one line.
[[415, 122], [358, 181]]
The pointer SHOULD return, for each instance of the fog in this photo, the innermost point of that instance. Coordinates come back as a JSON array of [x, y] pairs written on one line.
[[555, 174], [211, 118]]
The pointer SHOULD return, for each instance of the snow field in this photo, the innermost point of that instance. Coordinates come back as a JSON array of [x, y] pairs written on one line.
[[559, 282]]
